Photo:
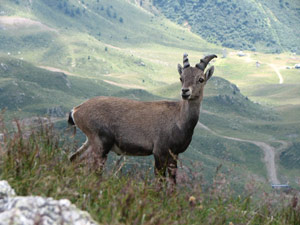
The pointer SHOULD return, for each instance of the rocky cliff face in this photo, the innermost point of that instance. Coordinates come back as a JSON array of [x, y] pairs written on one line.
[[31, 210]]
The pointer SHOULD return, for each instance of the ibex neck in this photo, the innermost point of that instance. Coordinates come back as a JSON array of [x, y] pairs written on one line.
[[189, 114]]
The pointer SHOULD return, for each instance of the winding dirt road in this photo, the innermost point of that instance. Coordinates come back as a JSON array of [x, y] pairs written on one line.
[[268, 150], [248, 59], [277, 72]]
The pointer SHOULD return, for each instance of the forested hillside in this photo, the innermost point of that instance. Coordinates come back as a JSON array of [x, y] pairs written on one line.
[[262, 25]]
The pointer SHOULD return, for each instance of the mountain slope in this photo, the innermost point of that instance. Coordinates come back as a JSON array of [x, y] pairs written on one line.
[[34, 90], [270, 26], [28, 90], [95, 52]]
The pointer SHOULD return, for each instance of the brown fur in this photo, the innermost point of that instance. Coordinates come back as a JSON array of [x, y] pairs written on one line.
[[161, 128]]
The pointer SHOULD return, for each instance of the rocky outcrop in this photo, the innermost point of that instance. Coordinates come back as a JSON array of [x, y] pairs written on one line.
[[31, 210]]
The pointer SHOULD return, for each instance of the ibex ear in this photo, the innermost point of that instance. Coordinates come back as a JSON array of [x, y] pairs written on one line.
[[209, 73], [179, 68]]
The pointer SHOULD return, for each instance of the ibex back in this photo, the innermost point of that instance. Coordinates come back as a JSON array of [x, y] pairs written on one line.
[[135, 128]]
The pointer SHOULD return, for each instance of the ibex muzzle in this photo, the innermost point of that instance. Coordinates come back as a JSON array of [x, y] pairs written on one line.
[[128, 127]]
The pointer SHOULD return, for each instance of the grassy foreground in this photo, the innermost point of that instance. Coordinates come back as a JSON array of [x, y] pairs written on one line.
[[34, 162]]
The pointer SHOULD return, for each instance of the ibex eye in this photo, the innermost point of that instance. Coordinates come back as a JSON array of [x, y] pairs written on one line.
[[201, 80], [180, 79]]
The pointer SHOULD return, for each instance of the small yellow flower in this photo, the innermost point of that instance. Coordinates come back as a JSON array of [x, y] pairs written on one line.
[[231, 223], [192, 199], [200, 207]]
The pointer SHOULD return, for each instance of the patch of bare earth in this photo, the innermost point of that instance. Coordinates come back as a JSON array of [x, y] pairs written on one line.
[[53, 69], [124, 85], [20, 22]]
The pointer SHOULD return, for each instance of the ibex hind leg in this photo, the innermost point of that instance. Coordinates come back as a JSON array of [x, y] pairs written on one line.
[[96, 155], [79, 151]]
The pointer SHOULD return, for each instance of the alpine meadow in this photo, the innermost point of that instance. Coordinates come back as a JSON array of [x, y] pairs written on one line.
[[242, 165]]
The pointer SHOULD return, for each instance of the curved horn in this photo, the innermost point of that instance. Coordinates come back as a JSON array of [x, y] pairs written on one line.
[[185, 61], [203, 62]]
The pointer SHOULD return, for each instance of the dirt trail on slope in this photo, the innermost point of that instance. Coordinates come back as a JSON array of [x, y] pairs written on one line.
[[274, 67], [248, 59], [277, 72], [268, 150], [53, 69]]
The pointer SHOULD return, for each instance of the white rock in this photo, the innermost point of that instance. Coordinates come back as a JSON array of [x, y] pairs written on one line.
[[31, 210], [6, 190]]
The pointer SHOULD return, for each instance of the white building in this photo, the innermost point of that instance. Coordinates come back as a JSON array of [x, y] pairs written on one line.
[[297, 66]]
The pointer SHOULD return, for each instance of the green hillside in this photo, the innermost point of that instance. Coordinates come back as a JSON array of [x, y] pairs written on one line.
[[37, 90], [29, 90], [269, 26], [56, 54]]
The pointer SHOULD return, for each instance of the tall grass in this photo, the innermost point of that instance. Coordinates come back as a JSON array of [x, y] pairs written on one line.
[[34, 161]]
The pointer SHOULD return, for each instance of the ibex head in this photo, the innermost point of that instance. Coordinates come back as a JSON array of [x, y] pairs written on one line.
[[193, 79]]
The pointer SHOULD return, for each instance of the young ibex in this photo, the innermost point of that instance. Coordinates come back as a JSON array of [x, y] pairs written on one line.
[[135, 128]]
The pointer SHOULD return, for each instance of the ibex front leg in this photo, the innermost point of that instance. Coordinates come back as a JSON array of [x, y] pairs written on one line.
[[172, 170], [160, 168], [172, 166]]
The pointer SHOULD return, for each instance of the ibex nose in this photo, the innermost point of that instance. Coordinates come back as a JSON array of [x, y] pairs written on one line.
[[184, 90], [185, 93]]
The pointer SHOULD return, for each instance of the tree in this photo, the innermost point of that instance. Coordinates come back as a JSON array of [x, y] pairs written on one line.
[[108, 13], [60, 6], [78, 11]]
